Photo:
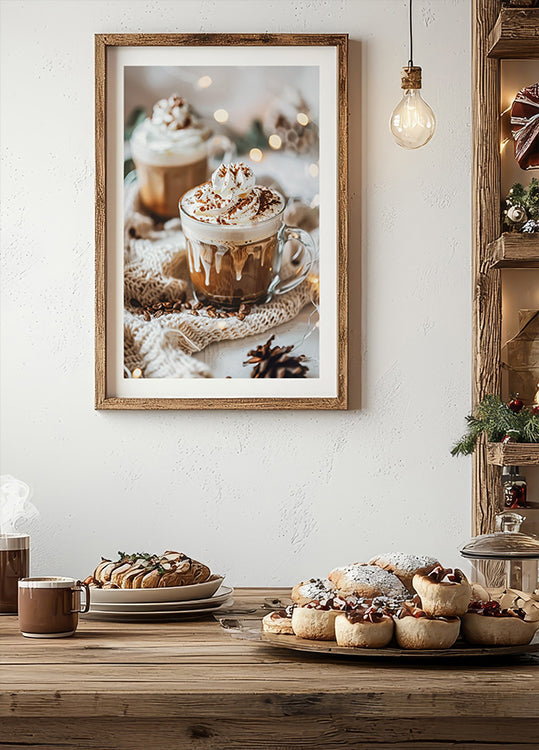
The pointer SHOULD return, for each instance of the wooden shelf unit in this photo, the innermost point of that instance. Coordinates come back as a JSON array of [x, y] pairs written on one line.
[[513, 454], [515, 34], [497, 33], [514, 250]]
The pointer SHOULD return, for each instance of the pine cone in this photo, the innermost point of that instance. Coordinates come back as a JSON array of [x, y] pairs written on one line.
[[275, 363]]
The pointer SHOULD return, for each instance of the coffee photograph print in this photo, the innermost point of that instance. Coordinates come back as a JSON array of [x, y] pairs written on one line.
[[221, 221]]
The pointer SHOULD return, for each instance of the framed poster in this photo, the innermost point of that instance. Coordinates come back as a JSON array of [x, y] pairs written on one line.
[[221, 221]]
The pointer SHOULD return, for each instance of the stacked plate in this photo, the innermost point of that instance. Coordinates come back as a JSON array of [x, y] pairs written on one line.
[[167, 603]]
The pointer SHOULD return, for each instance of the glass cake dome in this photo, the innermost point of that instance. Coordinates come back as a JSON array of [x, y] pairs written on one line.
[[506, 557]]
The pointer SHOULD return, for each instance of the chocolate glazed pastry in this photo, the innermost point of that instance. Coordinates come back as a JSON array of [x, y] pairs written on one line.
[[364, 627], [142, 570]]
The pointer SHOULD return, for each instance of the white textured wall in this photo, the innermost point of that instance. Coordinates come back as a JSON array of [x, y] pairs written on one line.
[[266, 497]]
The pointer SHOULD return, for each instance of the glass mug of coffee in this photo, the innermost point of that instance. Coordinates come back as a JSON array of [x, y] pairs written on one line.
[[237, 241], [171, 150], [14, 565], [49, 607]]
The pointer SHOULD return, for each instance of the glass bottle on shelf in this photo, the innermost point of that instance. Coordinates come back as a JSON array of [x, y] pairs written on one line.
[[514, 488]]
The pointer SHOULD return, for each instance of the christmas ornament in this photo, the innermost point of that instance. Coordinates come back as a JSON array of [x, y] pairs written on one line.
[[525, 127], [522, 208], [516, 404], [412, 122], [275, 362]]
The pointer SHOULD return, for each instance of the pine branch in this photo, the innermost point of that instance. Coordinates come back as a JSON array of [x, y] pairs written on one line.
[[495, 419]]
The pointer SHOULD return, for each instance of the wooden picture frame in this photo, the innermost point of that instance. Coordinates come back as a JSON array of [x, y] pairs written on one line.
[[329, 390]]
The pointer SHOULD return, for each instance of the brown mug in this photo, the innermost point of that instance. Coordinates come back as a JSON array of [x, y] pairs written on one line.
[[49, 607], [14, 565]]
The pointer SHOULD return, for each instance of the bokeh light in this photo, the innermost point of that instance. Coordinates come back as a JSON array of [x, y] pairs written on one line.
[[221, 115], [256, 154], [204, 82], [313, 170], [275, 141], [302, 118], [137, 372]]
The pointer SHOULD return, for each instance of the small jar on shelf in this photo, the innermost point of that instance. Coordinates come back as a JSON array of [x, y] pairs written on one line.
[[514, 488]]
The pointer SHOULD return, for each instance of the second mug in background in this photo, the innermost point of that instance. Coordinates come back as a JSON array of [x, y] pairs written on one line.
[[173, 151]]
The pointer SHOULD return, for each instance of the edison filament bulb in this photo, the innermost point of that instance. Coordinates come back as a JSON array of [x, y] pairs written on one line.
[[412, 122]]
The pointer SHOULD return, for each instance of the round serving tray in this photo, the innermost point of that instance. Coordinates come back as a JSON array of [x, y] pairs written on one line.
[[460, 650]]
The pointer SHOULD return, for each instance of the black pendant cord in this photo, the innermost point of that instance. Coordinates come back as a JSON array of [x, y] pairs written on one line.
[[411, 58]]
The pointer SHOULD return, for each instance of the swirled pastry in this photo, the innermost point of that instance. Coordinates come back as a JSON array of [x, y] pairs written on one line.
[[142, 570]]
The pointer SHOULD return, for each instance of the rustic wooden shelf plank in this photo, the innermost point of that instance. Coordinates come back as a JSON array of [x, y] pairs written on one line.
[[515, 34], [515, 250], [513, 454]]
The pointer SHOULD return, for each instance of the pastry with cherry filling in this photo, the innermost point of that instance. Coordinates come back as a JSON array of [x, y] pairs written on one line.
[[365, 626], [367, 581], [444, 592], [487, 624], [415, 629], [312, 591], [316, 620], [279, 622], [404, 566]]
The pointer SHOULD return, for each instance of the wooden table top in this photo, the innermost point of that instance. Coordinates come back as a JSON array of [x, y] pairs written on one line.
[[190, 668]]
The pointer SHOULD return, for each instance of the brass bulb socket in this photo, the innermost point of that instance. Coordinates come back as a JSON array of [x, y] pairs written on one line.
[[411, 77]]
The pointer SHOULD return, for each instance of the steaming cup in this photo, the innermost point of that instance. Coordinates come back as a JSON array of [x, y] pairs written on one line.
[[49, 607], [14, 565], [234, 264]]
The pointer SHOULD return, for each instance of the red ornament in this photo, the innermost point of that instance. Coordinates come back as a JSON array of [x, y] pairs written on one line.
[[535, 409], [516, 404]]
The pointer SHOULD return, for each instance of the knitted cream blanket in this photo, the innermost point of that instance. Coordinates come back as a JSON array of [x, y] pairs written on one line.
[[155, 269]]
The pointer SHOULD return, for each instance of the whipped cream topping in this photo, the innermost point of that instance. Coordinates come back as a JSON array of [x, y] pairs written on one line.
[[171, 114], [232, 198], [172, 135]]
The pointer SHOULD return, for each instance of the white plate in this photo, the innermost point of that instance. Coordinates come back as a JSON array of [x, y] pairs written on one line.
[[123, 607], [156, 615], [164, 594]]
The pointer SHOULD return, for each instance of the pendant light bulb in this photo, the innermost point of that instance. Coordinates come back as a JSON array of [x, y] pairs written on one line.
[[412, 122]]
